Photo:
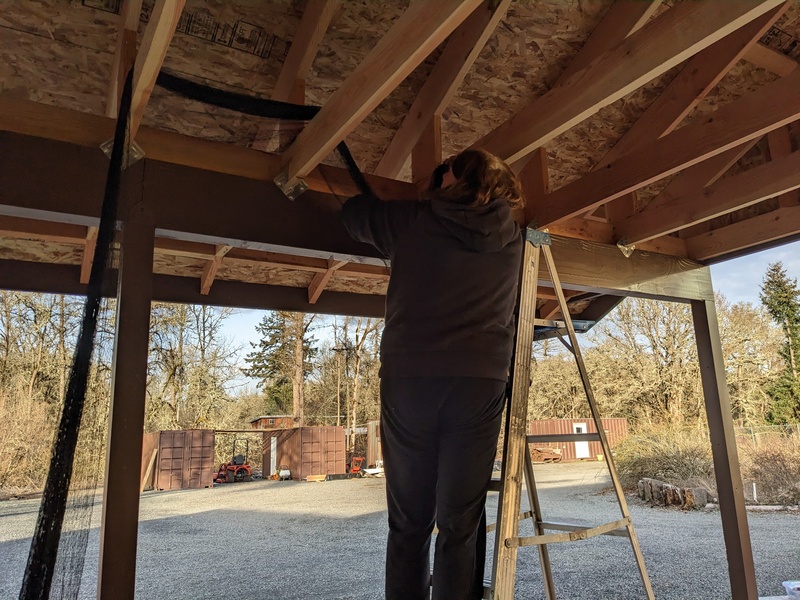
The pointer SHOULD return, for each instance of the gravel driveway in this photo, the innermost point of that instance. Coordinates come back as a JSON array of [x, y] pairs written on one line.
[[298, 540]]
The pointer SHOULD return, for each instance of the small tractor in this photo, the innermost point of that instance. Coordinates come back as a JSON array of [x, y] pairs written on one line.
[[239, 467]]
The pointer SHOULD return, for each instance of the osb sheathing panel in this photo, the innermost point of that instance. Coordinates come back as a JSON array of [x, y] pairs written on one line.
[[36, 251]]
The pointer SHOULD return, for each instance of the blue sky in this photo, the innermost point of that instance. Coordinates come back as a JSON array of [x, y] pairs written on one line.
[[739, 280]]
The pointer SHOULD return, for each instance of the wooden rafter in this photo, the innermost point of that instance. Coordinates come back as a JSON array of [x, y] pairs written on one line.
[[88, 253], [458, 56], [750, 117], [646, 54], [727, 195], [701, 73], [210, 270], [124, 53], [771, 60], [427, 153], [315, 21], [697, 78], [321, 280], [156, 41], [753, 232], [419, 30], [622, 19]]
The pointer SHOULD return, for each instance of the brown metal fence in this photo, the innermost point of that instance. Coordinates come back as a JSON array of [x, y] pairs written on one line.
[[306, 451]]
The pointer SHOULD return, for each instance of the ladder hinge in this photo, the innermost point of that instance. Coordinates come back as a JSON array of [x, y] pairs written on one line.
[[538, 237]]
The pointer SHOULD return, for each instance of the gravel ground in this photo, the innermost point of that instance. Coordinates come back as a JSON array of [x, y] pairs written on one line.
[[297, 540]]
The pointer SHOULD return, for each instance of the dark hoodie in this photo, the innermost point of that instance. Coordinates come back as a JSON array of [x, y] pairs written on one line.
[[453, 287]]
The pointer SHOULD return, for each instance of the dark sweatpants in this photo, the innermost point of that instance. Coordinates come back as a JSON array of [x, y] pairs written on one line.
[[439, 438]]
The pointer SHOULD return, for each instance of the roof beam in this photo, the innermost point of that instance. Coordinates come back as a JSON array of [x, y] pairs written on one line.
[[321, 280], [749, 117], [457, 58], [422, 27], [312, 28], [124, 53], [732, 193], [755, 231], [661, 44], [210, 270], [65, 125], [157, 37]]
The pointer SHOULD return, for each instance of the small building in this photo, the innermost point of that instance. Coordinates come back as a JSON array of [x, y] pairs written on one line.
[[273, 422], [616, 430], [177, 460], [306, 451]]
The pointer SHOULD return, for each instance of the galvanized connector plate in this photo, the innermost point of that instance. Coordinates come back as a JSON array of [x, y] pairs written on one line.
[[291, 191], [134, 154], [626, 249], [538, 237]]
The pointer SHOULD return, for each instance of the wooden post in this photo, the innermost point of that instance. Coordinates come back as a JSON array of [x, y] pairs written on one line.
[[427, 153], [723, 446], [118, 531]]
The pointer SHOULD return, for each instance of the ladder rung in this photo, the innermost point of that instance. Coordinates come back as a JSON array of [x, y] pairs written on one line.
[[564, 437], [572, 536], [622, 532]]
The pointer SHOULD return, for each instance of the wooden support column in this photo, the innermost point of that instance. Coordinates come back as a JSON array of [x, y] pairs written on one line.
[[118, 531], [723, 447]]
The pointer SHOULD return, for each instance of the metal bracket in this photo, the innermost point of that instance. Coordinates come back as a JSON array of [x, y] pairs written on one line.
[[626, 249], [291, 191], [538, 237], [132, 156]]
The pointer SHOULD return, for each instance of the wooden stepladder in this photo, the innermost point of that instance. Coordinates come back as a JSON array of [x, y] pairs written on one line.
[[517, 465]]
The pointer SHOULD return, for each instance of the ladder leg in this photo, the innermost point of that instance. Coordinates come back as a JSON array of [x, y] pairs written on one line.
[[536, 507], [623, 505], [504, 567]]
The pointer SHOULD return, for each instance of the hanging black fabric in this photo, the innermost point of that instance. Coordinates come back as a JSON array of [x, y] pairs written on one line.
[[258, 107], [40, 567]]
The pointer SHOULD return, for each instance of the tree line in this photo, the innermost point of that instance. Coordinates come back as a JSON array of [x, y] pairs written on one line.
[[641, 359]]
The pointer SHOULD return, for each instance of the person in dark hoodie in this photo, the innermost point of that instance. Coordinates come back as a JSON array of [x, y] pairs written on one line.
[[445, 357]]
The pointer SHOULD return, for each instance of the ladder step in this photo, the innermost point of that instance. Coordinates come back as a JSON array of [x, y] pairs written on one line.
[[580, 533], [563, 437]]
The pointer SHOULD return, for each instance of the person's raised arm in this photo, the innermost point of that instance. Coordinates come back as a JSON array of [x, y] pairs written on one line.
[[378, 222]]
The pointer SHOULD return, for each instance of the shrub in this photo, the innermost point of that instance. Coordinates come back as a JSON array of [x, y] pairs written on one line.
[[675, 455], [774, 466]]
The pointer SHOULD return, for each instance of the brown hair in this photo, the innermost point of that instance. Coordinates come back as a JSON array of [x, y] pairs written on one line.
[[484, 177]]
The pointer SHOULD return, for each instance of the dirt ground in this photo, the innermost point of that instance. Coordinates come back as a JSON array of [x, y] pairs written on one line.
[[298, 540]]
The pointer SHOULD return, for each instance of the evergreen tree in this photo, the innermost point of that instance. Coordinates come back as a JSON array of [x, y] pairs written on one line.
[[281, 360], [780, 296]]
